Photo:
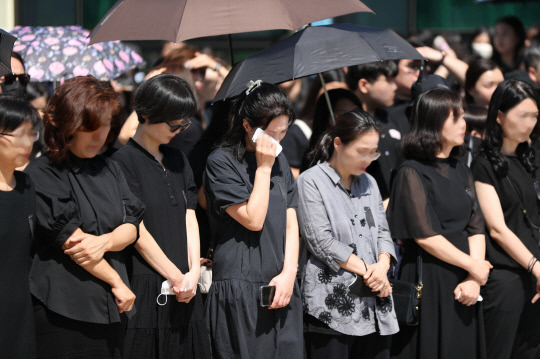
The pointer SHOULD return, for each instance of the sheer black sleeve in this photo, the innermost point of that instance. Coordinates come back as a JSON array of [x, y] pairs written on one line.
[[410, 212]]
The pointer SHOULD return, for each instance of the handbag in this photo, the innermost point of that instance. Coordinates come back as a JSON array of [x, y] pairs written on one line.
[[407, 297]]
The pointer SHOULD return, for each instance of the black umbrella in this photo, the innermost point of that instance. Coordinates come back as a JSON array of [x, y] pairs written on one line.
[[6, 46], [314, 50]]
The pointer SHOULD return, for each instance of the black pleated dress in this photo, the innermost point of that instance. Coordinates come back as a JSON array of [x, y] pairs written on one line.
[[175, 330], [429, 200], [245, 260], [17, 212]]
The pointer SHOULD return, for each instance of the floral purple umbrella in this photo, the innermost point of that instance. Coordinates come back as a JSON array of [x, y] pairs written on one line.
[[59, 53]]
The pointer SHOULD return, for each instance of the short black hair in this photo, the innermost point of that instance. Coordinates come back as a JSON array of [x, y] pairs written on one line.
[[370, 71], [14, 112], [164, 97], [424, 140]]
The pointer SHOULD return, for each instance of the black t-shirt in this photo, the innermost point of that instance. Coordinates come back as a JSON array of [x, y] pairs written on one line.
[[523, 183], [17, 215]]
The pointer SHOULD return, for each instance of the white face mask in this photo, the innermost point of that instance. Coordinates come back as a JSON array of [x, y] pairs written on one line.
[[483, 50], [166, 290]]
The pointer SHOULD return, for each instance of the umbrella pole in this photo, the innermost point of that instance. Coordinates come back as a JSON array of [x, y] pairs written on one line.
[[327, 99], [229, 37]]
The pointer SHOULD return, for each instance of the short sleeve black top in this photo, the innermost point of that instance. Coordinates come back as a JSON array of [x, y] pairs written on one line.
[[167, 192], [90, 194], [17, 211], [523, 183], [240, 253], [438, 198]]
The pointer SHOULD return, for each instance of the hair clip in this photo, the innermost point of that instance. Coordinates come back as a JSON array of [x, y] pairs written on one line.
[[251, 85]]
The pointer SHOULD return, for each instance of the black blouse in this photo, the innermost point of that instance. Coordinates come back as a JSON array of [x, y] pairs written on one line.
[[523, 182], [90, 194], [432, 199]]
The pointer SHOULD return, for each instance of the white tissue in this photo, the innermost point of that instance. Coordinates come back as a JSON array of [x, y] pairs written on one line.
[[279, 148]]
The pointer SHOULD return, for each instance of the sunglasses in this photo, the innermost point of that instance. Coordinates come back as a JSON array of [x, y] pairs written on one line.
[[11, 77], [183, 126]]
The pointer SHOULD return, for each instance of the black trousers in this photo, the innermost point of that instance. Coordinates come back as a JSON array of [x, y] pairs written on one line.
[[512, 322], [324, 346]]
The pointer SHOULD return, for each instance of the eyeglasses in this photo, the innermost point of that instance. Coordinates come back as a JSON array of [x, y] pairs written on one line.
[[182, 126], [19, 138], [370, 156], [11, 77]]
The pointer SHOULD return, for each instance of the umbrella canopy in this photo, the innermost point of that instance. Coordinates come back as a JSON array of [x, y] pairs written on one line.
[[314, 50], [6, 45], [59, 53], [178, 20]]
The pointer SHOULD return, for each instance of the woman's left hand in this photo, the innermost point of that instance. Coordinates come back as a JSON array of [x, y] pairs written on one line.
[[188, 288], [470, 291], [375, 277], [284, 283], [86, 248]]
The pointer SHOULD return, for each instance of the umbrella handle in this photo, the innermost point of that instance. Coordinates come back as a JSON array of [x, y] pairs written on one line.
[[327, 99]]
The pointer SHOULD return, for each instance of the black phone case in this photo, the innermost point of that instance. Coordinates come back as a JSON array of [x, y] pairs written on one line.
[[266, 295], [360, 289]]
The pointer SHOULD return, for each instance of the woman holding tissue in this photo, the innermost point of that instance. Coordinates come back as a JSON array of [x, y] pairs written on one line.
[[433, 209], [506, 175], [343, 223], [168, 245], [254, 307]]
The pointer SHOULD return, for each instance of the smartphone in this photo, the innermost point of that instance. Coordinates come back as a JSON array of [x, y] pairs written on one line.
[[266, 295]]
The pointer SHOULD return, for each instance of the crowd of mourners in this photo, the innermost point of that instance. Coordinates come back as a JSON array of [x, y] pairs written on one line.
[[112, 205]]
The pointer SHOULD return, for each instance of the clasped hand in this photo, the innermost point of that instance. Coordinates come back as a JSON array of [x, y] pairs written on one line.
[[376, 279], [86, 248]]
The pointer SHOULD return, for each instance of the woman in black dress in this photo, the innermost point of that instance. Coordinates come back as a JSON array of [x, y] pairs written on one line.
[[17, 211], [506, 175], [251, 197], [85, 216], [168, 246], [434, 211]]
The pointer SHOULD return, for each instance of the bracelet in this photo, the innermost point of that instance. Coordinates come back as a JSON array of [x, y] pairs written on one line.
[[388, 254], [365, 265], [218, 65], [443, 53], [532, 263]]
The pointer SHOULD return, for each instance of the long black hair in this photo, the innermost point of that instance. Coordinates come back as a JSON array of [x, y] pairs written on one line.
[[348, 127], [476, 69], [508, 94], [259, 107], [430, 110]]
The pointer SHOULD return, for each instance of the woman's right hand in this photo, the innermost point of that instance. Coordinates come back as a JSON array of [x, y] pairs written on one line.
[[536, 273], [265, 151], [124, 297], [479, 270]]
